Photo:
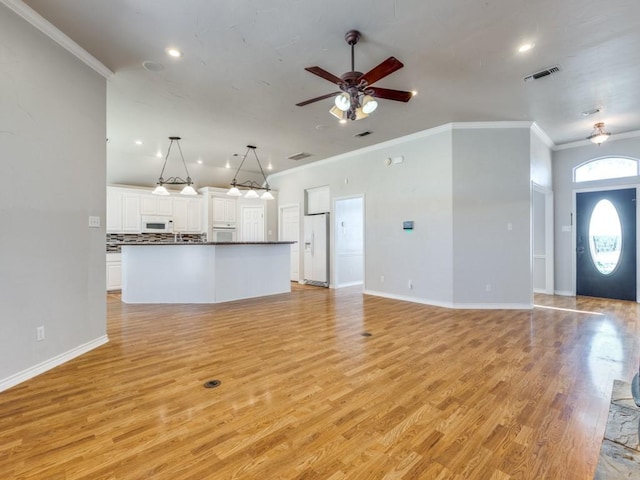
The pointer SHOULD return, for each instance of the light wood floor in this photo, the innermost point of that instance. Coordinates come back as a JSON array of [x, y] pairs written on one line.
[[432, 394]]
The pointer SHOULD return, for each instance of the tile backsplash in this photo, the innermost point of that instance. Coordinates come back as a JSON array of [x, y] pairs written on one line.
[[114, 239]]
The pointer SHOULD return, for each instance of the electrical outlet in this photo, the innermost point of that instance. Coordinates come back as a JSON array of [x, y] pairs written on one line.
[[410, 285], [40, 333], [94, 221], [487, 287]]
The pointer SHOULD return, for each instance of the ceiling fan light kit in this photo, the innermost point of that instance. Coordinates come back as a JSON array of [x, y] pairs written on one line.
[[357, 96], [188, 183]]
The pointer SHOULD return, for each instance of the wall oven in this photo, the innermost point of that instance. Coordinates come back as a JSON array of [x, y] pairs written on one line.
[[157, 224], [223, 234]]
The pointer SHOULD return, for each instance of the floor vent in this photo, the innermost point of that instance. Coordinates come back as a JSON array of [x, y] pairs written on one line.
[[542, 73], [299, 156], [212, 384], [363, 134]]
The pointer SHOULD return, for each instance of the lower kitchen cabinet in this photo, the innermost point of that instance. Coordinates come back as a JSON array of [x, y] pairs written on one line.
[[114, 271]]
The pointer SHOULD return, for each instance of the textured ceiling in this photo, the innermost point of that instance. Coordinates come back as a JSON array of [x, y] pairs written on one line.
[[242, 72]]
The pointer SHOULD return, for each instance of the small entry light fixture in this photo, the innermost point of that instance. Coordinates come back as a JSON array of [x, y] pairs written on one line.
[[234, 191], [161, 189], [598, 135]]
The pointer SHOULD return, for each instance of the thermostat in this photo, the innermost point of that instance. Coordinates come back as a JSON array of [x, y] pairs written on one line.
[[407, 225]]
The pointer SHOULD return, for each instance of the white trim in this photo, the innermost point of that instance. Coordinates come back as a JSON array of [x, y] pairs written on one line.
[[349, 284], [489, 125], [454, 306], [42, 367], [371, 148], [585, 142], [542, 135], [564, 293], [51, 31]]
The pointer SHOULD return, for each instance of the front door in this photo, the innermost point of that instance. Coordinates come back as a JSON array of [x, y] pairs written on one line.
[[606, 244]]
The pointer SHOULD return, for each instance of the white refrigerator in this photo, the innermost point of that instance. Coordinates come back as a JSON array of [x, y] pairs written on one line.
[[316, 249]]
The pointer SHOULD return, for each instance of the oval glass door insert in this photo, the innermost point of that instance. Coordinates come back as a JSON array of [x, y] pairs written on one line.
[[605, 237]]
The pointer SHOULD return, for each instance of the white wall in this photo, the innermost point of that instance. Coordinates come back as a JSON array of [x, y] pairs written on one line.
[[52, 145], [564, 160], [461, 187], [492, 217]]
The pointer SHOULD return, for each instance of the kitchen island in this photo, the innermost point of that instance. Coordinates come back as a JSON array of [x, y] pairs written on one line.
[[210, 272]]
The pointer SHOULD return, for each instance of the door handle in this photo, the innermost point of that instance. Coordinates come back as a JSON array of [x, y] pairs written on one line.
[[580, 250]]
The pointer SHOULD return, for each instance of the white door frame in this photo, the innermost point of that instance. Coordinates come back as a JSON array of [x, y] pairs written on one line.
[[334, 228], [548, 239], [297, 207]]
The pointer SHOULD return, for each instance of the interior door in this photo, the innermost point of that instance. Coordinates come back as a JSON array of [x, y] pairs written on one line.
[[606, 244], [252, 223]]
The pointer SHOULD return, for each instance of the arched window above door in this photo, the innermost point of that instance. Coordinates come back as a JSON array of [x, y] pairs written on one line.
[[605, 168]]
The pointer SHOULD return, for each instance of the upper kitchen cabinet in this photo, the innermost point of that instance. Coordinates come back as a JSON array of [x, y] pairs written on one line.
[[187, 215], [318, 200], [123, 211], [223, 210], [155, 205]]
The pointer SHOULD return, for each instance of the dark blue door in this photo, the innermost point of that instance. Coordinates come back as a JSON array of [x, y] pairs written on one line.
[[606, 244]]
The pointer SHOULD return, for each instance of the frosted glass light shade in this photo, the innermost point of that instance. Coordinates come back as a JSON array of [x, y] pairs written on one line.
[[234, 192], [369, 104], [251, 194], [188, 190], [266, 195], [160, 190], [343, 102]]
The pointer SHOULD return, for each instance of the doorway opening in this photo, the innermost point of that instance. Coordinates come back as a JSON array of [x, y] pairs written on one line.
[[349, 241]]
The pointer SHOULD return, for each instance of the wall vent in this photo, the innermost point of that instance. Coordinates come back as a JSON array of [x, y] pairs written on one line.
[[363, 134], [542, 73], [299, 156]]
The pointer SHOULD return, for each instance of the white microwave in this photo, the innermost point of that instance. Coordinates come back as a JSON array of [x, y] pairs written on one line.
[[157, 224]]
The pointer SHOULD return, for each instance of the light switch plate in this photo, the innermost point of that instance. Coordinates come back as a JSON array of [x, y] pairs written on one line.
[[94, 221]]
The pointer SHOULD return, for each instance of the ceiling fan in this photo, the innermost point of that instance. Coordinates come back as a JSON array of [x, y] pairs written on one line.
[[357, 98]]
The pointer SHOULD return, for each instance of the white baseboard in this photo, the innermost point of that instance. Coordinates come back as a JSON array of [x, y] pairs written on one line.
[[455, 306], [36, 370], [564, 293], [349, 284]]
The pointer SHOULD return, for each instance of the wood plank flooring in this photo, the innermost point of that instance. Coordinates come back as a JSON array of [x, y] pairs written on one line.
[[431, 394]]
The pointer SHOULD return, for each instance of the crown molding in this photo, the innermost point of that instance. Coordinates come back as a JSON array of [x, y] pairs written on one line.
[[490, 125], [39, 22], [585, 142]]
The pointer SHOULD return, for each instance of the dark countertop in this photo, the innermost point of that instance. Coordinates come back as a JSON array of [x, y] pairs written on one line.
[[146, 244]]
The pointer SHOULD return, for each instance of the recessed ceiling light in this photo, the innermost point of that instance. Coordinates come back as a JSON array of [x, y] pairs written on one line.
[[414, 92], [343, 120], [159, 154], [228, 165], [269, 167], [525, 47], [199, 162], [174, 52], [138, 142]]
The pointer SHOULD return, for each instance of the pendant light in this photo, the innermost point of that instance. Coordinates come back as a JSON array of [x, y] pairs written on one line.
[[188, 183], [234, 191], [598, 135]]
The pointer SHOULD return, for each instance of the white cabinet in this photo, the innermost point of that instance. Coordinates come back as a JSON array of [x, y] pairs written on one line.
[[114, 271], [223, 210], [318, 200], [123, 211], [131, 222], [155, 205], [114, 210], [187, 215]]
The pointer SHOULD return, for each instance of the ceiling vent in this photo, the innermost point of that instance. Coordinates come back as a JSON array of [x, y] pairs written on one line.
[[363, 134], [542, 73], [299, 156]]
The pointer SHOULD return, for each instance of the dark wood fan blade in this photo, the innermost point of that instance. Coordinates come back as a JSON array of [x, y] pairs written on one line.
[[387, 67], [317, 99], [388, 94], [324, 74]]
